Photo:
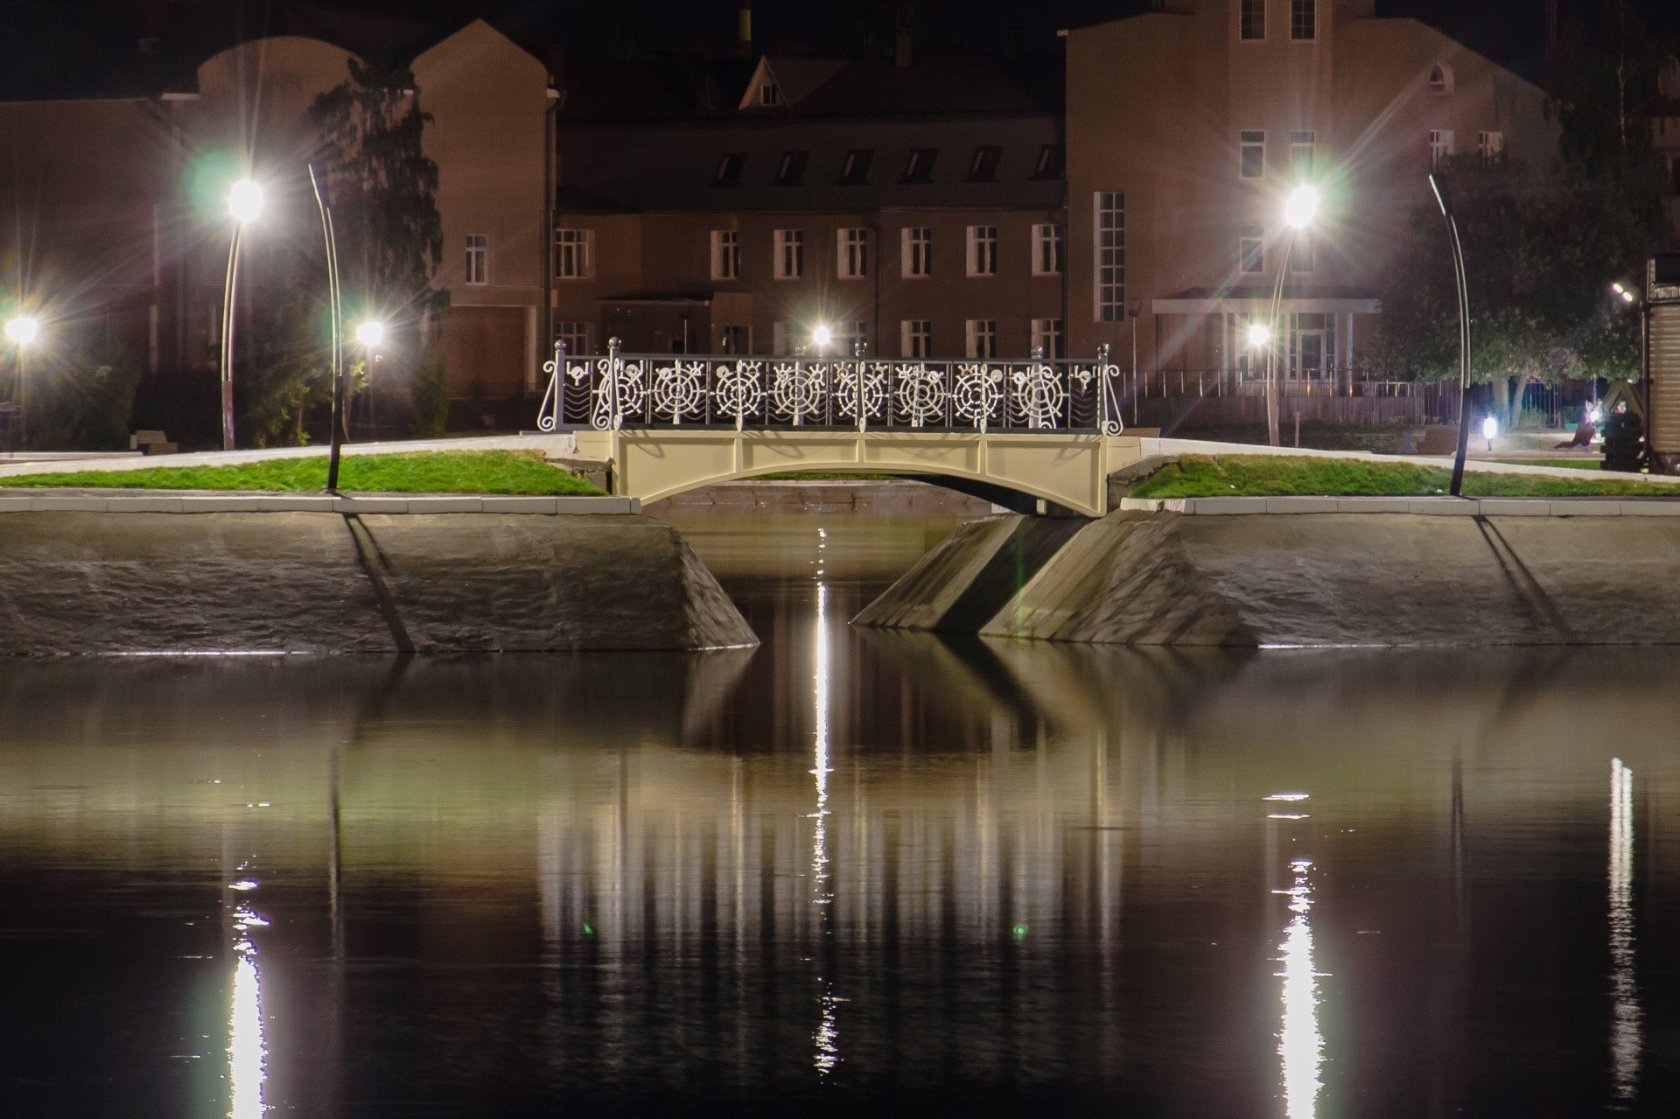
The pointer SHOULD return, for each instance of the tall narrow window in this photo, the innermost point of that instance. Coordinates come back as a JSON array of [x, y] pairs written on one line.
[[1109, 235], [478, 258], [981, 337], [574, 334], [790, 254], [1251, 248], [1300, 156], [726, 254], [852, 253], [736, 339], [1047, 250], [1490, 146], [1440, 145], [1253, 20], [916, 247], [781, 339], [572, 254], [1303, 20], [915, 338], [1047, 338], [849, 337], [982, 250], [1251, 147]]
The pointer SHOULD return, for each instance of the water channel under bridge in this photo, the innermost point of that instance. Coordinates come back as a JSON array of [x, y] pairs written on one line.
[[1048, 432]]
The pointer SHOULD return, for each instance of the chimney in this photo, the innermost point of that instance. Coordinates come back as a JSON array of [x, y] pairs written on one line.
[[743, 29]]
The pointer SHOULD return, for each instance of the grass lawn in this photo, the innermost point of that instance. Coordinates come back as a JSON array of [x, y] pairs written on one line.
[[511, 472], [1271, 476], [1568, 463]]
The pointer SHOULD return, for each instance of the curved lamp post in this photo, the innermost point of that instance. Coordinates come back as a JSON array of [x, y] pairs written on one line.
[[22, 330], [1444, 200], [245, 200], [1298, 213]]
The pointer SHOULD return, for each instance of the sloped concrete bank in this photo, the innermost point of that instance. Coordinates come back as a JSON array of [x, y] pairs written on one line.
[[325, 575], [1343, 572]]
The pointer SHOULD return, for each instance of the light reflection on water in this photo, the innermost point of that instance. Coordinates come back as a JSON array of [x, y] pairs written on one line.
[[988, 874]]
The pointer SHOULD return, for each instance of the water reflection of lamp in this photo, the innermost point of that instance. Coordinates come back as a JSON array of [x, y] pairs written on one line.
[[247, 1048], [826, 1039], [1300, 1044], [1626, 1033]]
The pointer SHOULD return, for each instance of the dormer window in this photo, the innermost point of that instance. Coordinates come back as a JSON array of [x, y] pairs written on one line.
[[855, 170], [983, 167], [769, 94], [728, 171], [1440, 78], [919, 167], [791, 171], [1050, 162]]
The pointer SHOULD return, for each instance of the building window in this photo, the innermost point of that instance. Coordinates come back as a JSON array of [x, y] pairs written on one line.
[[919, 167], [917, 255], [1300, 156], [1047, 338], [1047, 250], [1440, 145], [574, 335], [982, 250], [1303, 20], [981, 337], [1051, 162], [572, 254], [791, 170], [983, 167], [781, 339], [1490, 146], [915, 338], [478, 258], [728, 171], [1251, 144], [1440, 78], [736, 339], [790, 254], [1253, 20], [854, 170], [852, 253], [1251, 248], [849, 337], [726, 254], [1109, 235], [769, 94]]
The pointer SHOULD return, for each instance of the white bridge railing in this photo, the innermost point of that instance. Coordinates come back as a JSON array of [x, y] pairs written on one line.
[[616, 389]]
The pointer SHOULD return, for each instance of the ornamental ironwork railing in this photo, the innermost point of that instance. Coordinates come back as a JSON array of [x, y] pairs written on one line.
[[669, 390]]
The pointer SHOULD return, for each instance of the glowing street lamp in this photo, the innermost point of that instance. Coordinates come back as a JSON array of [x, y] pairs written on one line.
[[821, 336], [371, 334], [1299, 209], [245, 201], [22, 330], [1259, 335]]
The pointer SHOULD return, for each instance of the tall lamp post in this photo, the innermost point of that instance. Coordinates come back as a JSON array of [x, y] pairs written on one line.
[[245, 201], [22, 330], [1298, 213], [1444, 200]]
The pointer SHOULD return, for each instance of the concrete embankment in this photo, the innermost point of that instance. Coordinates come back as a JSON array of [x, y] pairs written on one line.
[[344, 575], [1320, 572]]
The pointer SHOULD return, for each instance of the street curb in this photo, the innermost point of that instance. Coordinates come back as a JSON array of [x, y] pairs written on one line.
[[365, 505]]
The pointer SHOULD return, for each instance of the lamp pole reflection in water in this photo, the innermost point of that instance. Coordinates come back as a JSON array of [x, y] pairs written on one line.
[[1626, 1040]]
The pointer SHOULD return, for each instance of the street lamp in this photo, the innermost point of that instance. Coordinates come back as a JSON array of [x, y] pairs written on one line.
[[245, 200], [1444, 200], [821, 336], [1299, 209], [22, 330]]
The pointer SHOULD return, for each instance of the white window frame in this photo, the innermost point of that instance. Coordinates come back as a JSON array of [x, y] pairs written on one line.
[[851, 252], [478, 259], [789, 260], [982, 250], [726, 254], [1490, 144], [574, 254], [1047, 333], [1296, 9], [1259, 7], [1047, 258], [573, 332], [916, 252], [1251, 139], [915, 338], [1440, 145], [1251, 247], [1108, 255], [1301, 144], [980, 339]]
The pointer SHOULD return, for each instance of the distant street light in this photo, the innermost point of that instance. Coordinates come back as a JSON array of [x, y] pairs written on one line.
[[1490, 430], [245, 200], [23, 330], [1298, 212]]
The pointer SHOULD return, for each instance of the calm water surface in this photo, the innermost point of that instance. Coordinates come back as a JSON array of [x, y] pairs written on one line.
[[846, 872]]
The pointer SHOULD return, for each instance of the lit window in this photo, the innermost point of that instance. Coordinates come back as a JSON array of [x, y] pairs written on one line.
[[1440, 145], [1252, 153], [1253, 20], [917, 255], [572, 253], [1109, 237], [915, 338], [1047, 338], [478, 258], [919, 167], [1251, 248], [790, 254], [1490, 146], [981, 336], [1303, 20], [1047, 250], [983, 167], [855, 170], [726, 254], [1300, 156], [852, 253], [982, 250]]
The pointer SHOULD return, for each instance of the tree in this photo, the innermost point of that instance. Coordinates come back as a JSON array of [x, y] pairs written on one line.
[[382, 190]]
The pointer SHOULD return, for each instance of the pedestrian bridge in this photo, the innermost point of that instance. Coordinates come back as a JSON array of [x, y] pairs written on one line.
[[1045, 431]]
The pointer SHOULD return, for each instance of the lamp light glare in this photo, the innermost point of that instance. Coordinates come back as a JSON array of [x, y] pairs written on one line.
[[371, 333], [1259, 334], [1490, 428], [1302, 207], [821, 336], [245, 201], [23, 329]]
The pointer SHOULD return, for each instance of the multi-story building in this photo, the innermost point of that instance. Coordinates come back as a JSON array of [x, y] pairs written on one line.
[[1188, 126]]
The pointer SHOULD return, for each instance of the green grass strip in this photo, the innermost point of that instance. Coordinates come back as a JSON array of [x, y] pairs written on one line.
[[1278, 475], [466, 472]]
